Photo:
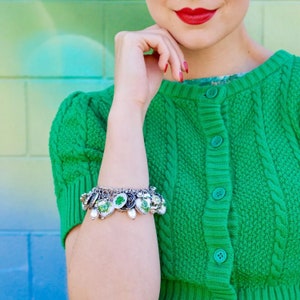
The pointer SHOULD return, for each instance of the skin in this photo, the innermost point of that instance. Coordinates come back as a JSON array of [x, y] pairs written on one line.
[[118, 258]]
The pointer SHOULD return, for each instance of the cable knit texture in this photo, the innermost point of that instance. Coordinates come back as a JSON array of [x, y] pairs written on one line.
[[227, 160]]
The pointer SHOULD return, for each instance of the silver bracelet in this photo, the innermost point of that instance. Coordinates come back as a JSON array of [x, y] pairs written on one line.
[[104, 201]]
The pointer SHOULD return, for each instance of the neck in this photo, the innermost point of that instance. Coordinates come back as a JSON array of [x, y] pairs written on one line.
[[237, 53]]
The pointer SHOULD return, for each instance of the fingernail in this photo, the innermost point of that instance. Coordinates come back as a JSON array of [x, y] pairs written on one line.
[[180, 76], [186, 67], [166, 68]]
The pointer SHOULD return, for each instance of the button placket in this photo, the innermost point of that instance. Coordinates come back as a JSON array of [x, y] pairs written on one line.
[[219, 187]]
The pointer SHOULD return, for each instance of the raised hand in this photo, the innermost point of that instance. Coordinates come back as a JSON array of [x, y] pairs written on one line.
[[138, 76]]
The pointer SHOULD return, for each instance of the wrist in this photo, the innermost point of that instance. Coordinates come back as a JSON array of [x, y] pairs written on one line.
[[126, 113]]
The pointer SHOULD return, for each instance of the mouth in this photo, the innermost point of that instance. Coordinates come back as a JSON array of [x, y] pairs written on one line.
[[196, 16]]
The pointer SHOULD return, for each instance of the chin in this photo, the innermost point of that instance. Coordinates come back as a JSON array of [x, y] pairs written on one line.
[[195, 44]]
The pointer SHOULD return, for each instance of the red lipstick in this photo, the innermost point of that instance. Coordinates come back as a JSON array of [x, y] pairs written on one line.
[[195, 16]]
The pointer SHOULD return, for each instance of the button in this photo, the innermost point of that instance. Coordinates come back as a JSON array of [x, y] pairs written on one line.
[[212, 92], [216, 141], [218, 193], [220, 256]]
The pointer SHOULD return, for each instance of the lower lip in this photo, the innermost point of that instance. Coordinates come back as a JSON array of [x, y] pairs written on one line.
[[193, 18]]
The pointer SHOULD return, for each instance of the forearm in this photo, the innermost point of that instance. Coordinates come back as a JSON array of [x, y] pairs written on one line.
[[117, 257], [124, 161]]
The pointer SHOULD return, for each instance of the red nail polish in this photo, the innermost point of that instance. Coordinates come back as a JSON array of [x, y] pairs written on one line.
[[180, 76], [186, 67], [166, 68]]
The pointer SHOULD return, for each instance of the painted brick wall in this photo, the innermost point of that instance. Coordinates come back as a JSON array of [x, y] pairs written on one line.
[[48, 50]]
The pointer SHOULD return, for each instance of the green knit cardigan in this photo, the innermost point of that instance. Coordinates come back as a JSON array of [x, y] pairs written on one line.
[[227, 160]]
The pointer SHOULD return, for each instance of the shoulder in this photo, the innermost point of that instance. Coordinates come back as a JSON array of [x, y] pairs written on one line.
[[80, 109], [291, 65], [296, 70], [80, 102], [291, 77], [286, 75], [291, 88], [78, 130]]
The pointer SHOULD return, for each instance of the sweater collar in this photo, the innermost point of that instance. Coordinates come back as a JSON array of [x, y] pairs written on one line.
[[272, 65]]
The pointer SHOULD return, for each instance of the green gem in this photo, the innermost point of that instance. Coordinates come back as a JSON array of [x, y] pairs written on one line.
[[145, 206], [104, 207], [119, 200]]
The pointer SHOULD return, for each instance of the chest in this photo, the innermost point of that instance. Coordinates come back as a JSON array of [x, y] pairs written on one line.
[[232, 182]]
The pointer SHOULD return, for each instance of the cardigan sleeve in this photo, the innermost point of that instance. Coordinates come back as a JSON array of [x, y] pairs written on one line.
[[76, 146]]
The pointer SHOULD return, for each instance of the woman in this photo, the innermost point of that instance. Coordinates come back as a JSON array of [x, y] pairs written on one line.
[[212, 118]]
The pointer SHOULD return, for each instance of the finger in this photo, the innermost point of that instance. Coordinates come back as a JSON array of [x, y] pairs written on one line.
[[177, 49], [175, 65], [175, 53], [166, 52]]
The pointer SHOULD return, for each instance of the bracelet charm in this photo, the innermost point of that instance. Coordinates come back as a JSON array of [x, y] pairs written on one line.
[[104, 201]]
